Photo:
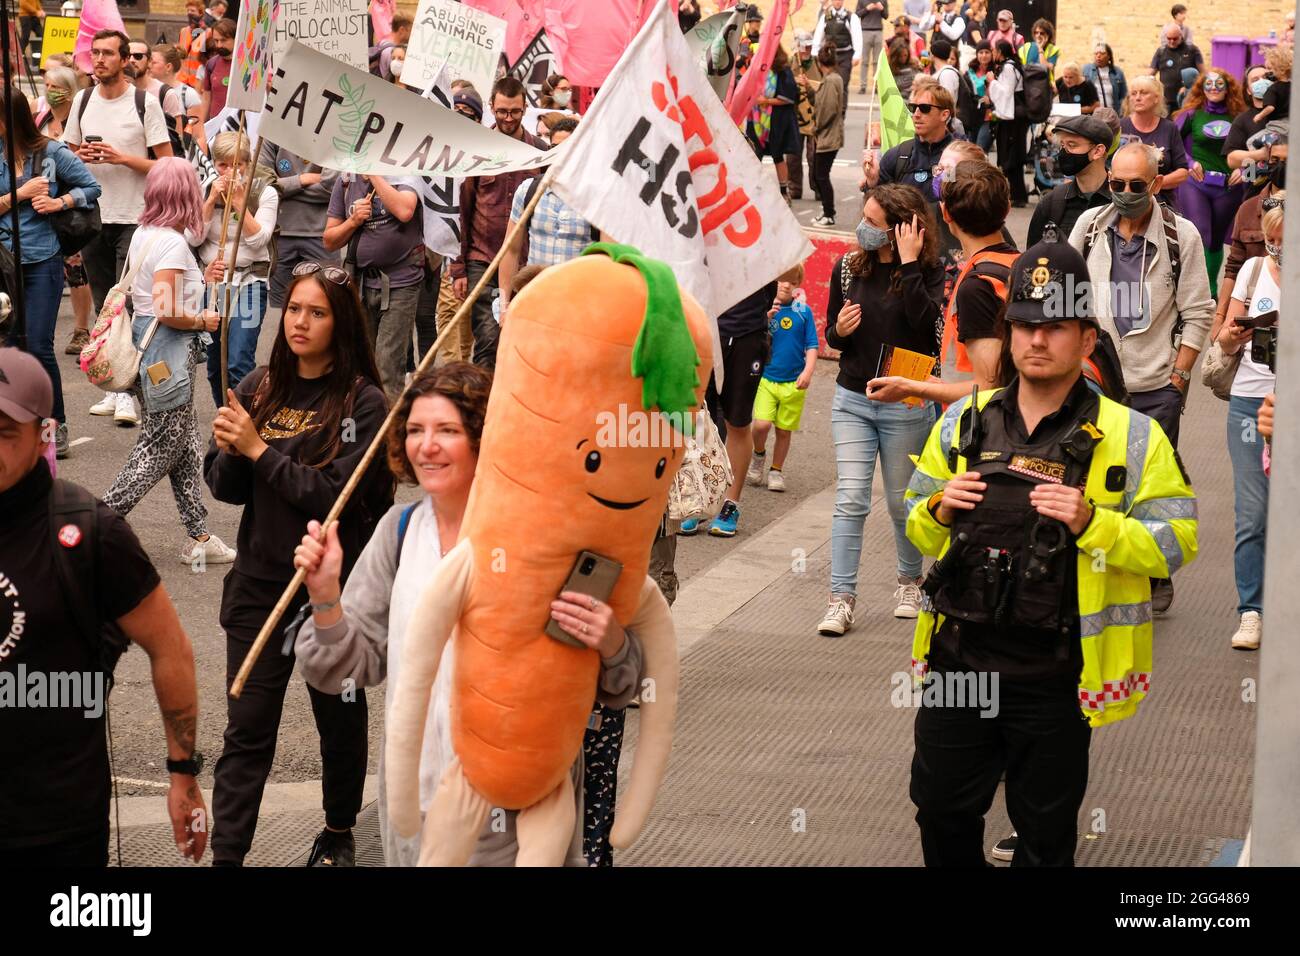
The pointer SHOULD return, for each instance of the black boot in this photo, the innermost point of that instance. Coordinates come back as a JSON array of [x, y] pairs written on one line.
[[333, 848]]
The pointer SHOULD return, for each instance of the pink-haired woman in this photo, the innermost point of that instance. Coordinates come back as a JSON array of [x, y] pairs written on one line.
[[171, 328]]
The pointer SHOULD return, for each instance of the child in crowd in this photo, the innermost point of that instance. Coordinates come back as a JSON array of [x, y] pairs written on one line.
[[785, 381], [1277, 99]]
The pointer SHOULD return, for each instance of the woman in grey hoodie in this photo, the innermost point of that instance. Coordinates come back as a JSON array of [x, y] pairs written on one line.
[[353, 639]]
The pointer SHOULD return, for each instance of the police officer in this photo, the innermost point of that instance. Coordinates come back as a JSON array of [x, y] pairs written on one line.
[[1049, 507]]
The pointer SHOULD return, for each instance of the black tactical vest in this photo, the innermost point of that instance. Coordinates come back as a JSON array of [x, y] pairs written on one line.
[[1015, 568], [837, 28]]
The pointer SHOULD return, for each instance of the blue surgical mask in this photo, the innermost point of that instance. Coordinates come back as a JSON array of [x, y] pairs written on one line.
[[870, 238], [1260, 87]]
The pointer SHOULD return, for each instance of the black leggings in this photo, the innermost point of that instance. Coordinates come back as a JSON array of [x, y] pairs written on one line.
[[1011, 156], [821, 180], [253, 724]]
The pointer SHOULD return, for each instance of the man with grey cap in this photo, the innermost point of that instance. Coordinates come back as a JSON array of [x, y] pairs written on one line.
[[78, 588], [808, 75], [1084, 143], [1016, 492]]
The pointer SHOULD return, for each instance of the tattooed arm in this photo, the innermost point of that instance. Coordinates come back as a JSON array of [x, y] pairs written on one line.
[[154, 626]]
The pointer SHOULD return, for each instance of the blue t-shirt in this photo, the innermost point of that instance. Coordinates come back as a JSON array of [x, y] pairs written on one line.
[[793, 333]]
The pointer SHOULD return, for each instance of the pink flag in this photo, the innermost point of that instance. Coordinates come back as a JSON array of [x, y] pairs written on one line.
[[524, 18], [96, 15], [744, 93], [589, 37]]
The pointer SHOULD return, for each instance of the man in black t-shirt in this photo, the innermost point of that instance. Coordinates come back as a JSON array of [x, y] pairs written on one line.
[[56, 649], [1247, 154], [1073, 88], [1170, 62]]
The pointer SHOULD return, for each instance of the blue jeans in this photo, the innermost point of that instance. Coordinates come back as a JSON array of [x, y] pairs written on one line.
[[984, 136], [1250, 493], [43, 288], [865, 430], [247, 307]]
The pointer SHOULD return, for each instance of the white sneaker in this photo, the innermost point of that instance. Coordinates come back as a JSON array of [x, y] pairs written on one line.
[[1249, 633], [839, 617], [824, 221], [106, 405], [214, 551], [124, 413], [908, 597], [757, 464], [775, 481]]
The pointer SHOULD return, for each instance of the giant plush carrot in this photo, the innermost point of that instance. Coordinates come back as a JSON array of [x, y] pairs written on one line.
[[607, 337]]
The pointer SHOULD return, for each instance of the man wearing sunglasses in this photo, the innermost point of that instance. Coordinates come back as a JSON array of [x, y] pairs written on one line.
[[1151, 293], [912, 161], [137, 70], [485, 203]]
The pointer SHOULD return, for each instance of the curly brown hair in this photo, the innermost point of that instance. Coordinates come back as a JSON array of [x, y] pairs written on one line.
[[900, 204], [464, 385], [1234, 101]]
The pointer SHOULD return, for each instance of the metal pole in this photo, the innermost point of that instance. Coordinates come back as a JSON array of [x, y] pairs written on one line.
[[1275, 826], [16, 292]]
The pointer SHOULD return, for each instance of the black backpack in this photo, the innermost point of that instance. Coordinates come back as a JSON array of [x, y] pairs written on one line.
[[83, 100], [968, 104], [1037, 94], [178, 144], [77, 570]]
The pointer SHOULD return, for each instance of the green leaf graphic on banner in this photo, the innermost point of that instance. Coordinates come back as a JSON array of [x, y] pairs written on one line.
[[352, 118], [895, 118]]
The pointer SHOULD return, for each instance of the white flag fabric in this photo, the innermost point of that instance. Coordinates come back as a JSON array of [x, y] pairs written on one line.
[[349, 120], [658, 164], [440, 195], [452, 36]]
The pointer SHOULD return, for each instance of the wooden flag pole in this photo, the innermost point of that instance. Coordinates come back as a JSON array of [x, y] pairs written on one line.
[[234, 262], [282, 605], [221, 251]]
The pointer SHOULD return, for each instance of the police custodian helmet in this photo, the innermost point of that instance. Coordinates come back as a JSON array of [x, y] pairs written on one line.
[[1049, 282]]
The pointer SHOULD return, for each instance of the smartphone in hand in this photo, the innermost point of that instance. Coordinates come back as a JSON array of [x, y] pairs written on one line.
[[592, 575]]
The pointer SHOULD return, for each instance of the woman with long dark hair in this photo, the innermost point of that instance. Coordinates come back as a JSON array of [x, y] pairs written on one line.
[[283, 446], [1005, 89], [50, 179], [887, 295], [1206, 197], [979, 71]]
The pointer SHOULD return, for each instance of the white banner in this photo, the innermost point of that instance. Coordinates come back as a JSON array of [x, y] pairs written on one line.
[[657, 163], [350, 120], [252, 66], [468, 41], [336, 28], [440, 195], [714, 44]]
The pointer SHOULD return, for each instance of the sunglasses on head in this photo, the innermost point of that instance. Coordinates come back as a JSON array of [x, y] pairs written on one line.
[[1129, 185], [333, 273], [923, 107], [1272, 202]]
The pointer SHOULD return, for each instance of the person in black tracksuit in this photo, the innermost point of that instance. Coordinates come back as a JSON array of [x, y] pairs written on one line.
[[284, 445]]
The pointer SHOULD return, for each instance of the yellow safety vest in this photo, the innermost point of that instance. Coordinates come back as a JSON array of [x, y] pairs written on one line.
[[1145, 528]]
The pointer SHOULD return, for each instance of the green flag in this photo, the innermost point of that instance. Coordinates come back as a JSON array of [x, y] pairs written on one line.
[[895, 118]]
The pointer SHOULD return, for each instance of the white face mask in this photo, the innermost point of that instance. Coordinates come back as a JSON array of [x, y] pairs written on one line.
[[562, 97], [396, 67]]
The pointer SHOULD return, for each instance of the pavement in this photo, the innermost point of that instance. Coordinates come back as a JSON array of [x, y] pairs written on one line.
[[788, 749]]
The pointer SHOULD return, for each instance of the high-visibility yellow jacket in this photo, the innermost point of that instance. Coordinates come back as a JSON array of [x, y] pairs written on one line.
[[1145, 530]]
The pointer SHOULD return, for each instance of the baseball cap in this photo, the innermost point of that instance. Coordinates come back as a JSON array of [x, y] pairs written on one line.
[[25, 390], [471, 101], [1089, 127], [1049, 282], [803, 38], [1005, 15]]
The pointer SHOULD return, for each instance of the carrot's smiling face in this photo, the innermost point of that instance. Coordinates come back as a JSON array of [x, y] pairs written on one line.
[[621, 478]]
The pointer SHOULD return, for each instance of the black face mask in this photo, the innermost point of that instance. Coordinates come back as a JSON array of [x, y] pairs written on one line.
[[195, 19], [754, 36], [1071, 164]]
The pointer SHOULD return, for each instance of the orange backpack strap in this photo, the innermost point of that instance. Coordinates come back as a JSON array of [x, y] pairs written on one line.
[[1000, 286]]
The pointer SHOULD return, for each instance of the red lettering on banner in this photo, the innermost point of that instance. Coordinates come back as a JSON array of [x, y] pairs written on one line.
[[754, 229]]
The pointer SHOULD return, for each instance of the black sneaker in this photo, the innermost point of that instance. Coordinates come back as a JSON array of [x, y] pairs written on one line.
[[1005, 849], [333, 849], [61, 447], [1162, 595]]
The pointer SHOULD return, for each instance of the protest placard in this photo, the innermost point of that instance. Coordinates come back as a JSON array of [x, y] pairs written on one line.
[[346, 119], [60, 36], [336, 28], [468, 41], [715, 43], [252, 63], [657, 140]]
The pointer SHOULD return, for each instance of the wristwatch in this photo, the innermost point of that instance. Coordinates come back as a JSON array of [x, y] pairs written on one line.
[[1185, 376], [189, 767]]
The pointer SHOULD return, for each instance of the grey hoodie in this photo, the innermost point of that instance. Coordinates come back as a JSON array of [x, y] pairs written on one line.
[[302, 208]]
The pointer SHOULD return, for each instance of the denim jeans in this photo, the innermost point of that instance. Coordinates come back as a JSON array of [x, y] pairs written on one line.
[[864, 430], [247, 309], [1250, 493], [43, 284]]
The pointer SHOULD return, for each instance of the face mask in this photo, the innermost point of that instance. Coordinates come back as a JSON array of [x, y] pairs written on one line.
[[396, 67], [1260, 87], [562, 97], [870, 238], [1131, 205], [54, 95], [754, 36], [1274, 251], [1072, 164], [195, 19]]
